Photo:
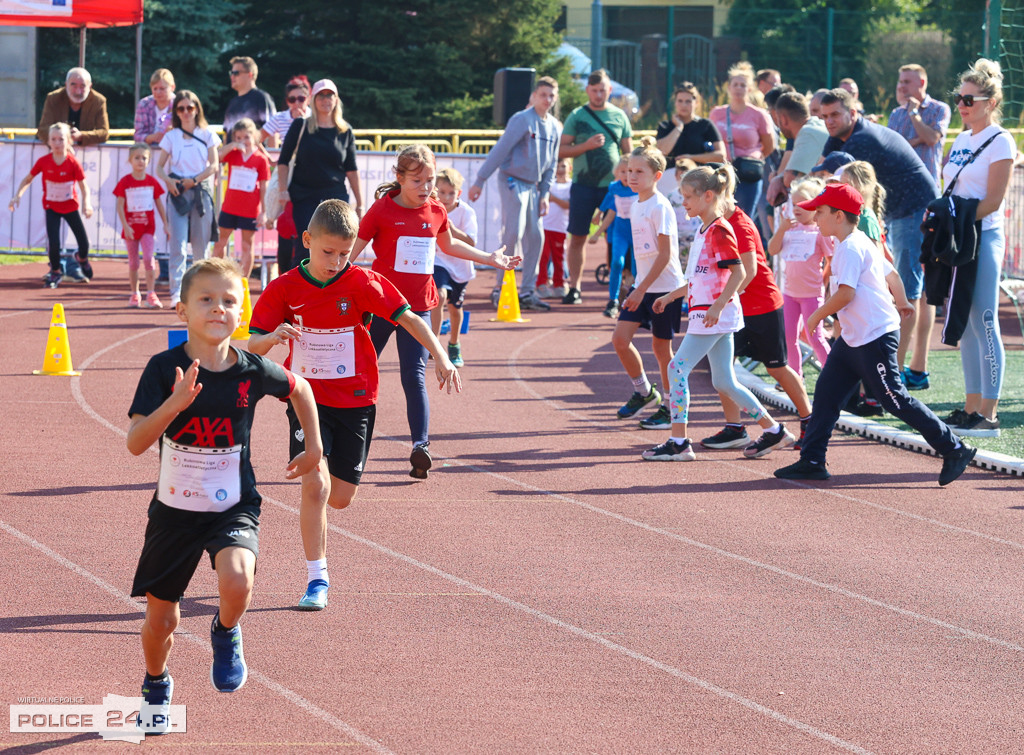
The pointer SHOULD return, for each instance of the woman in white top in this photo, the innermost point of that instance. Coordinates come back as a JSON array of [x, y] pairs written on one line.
[[187, 165], [987, 179]]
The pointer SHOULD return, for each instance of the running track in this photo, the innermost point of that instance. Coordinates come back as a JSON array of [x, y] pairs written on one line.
[[543, 591]]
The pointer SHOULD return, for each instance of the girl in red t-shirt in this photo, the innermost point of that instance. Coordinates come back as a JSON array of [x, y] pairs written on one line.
[[61, 171], [137, 195], [406, 224], [245, 199]]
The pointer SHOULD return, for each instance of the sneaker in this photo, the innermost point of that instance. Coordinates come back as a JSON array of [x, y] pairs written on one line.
[[638, 401], [729, 437], [956, 418], [769, 442], [83, 262], [670, 451], [530, 300], [803, 433], [78, 276], [455, 354], [544, 291], [153, 301], [228, 672], [660, 420], [572, 297], [53, 279], [914, 380], [420, 460], [804, 470], [562, 291], [865, 408], [495, 297], [135, 300], [955, 462], [155, 712], [976, 425], [612, 309], [315, 598]]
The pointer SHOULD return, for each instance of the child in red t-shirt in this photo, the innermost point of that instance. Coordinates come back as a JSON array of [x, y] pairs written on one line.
[[137, 195], [61, 172], [245, 199]]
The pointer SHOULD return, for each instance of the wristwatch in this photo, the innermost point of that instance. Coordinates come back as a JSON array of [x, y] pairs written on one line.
[[914, 112]]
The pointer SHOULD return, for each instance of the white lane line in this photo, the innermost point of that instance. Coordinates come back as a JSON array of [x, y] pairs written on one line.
[[74, 303], [746, 469]]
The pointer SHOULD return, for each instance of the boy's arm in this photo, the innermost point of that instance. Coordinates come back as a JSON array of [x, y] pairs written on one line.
[[899, 295], [636, 296], [146, 429], [462, 250], [445, 370], [261, 343], [605, 222], [305, 411], [843, 296]]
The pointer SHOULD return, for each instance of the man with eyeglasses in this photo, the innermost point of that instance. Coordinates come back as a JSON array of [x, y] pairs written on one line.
[[251, 102], [78, 105]]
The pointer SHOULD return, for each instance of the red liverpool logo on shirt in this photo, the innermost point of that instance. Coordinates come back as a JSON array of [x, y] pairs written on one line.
[[243, 394]]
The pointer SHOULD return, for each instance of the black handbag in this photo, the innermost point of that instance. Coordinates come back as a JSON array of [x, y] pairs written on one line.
[[749, 170]]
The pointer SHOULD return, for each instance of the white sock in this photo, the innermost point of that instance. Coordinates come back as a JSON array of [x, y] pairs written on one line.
[[679, 441], [774, 428], [318, 570], [641, 384]]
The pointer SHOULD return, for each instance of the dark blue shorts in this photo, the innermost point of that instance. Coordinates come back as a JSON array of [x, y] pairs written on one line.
[[456, 290], [227, 220], [583, 203], [662, 326]]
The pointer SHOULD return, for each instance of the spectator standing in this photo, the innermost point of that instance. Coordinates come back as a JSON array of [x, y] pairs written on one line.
[[78, 105], [596, 135], [768, 79], [806, 135], [686, 135], [250, 102], [153, 113]]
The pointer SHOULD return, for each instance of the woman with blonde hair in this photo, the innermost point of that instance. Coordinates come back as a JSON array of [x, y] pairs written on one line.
[[153, 113]]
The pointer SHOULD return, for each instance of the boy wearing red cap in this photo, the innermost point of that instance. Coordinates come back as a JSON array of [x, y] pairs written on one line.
[[866, 349]]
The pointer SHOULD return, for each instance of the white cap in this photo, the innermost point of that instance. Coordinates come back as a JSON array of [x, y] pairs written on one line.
[[324, 85]]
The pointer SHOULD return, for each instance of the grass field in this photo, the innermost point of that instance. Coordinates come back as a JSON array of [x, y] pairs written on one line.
[[19, 259]]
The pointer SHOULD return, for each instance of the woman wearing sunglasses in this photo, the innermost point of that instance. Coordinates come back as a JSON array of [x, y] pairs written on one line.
[[187, 165], [987, 179]]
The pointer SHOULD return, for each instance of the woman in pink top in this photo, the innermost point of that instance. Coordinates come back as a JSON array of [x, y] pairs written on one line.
[[748, 132]]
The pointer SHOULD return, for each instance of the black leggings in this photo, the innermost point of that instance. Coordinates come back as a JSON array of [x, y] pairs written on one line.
[[74, 221], [286, 252]]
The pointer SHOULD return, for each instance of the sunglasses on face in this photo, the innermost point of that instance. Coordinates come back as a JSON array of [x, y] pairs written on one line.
[[233, 72], [186, 108], [299, 98], [968, 99]]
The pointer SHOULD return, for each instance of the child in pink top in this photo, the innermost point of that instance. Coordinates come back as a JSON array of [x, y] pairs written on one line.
[[803, 249]]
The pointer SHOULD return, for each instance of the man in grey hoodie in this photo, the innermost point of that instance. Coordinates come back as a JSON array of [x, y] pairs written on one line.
[[525, 158]]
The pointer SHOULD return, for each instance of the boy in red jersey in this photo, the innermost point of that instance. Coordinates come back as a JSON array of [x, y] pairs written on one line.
[[321, 310]]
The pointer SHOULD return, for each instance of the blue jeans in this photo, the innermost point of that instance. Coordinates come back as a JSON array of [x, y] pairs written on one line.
[[412, 364], [904, 239], [746, 196], [192, 227], [981, 348]]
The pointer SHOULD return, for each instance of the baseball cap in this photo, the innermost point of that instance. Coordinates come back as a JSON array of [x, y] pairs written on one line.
[[323, 85], [834, 161], [838, 197]]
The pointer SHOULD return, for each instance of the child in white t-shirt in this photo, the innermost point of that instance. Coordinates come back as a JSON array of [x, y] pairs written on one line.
[[556, 223], [451, 274]]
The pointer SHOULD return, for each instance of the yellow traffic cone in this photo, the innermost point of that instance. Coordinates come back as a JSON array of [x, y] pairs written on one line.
[[508, 300], [242, 333], [57, 360]]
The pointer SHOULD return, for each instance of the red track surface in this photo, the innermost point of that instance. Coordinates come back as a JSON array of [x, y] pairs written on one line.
[[544, 590]]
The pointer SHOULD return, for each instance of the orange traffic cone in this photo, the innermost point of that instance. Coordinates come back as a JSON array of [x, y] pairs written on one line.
[[57, 360], [508, 300], [242, 333]]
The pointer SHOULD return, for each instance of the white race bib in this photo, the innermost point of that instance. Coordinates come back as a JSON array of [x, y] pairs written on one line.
[[60, 191], [624, 207], [243, 179], [694, 254], [415, 254], [798, 246], [199, 479], [139, 199], [324, 354]]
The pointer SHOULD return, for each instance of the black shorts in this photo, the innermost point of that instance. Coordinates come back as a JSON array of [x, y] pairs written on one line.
[[662, 326], [345, 434], [227, 220], [763, 338], [176, 539], [456, 290]]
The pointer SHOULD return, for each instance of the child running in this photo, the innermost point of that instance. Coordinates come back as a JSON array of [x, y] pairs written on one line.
[[555, 223], [406, 225], [715, 275], [451, 274], [866, 349], [320, 310], [61, 171], [803, 249], [616, 206], [245, 200], [198, 401], [137, 195], [653, 237]]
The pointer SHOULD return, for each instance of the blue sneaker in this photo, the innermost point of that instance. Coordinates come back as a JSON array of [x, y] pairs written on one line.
[[315, 598], [228, 672], [915, 381], [155, 712]]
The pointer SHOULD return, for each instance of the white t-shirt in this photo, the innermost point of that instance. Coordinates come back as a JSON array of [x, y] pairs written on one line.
[[708, 280], [651, 218], [973, 181], [188, 157], [858, 263], [462, 217], [557, 219]]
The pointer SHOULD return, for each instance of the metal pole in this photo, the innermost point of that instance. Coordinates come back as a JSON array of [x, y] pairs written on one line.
[[81, 47], [670, 74], [992, 21], [138, 62], [831, 15], [595, 36]]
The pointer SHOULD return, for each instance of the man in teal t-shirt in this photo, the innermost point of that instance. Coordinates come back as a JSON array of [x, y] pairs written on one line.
[[595, 135]]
